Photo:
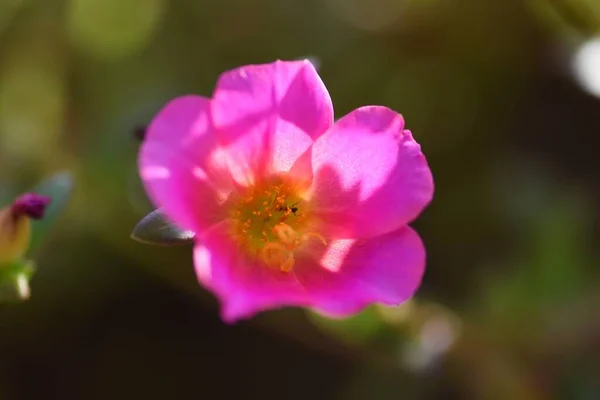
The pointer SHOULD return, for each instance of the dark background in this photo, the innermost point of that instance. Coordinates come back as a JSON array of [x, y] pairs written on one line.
[[500, 94]]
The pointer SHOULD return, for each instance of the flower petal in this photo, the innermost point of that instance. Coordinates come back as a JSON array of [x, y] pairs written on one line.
[[386, 269], [290, 91], [179, 166], [345, 278], [243, 286], [269, 114], [370, 175]]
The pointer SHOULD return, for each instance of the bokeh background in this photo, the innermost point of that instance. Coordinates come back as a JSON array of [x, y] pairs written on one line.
[[503, 95]]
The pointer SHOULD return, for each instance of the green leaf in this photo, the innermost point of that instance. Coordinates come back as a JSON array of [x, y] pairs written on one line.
[[14, 280], [60, 188], [157, 230]]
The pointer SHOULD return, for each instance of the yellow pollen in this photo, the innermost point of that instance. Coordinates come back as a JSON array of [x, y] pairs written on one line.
[[268, 224]]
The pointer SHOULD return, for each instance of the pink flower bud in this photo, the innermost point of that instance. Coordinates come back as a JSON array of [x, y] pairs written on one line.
[[15, 225]]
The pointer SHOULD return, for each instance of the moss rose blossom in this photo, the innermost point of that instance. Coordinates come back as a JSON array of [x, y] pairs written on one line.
[[289, 207]]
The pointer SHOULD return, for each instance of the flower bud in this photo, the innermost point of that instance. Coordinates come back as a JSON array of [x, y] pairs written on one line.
[[15, 225]]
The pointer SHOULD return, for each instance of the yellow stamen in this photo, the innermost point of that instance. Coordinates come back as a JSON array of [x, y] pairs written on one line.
[[288, 264], [286, 234], [307, 235], [263, 226], [274, 254]]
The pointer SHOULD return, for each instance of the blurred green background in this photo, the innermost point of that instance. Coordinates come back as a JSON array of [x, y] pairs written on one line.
[[503, 95]]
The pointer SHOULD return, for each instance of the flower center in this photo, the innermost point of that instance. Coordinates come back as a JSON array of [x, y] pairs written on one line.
[[270, 222]]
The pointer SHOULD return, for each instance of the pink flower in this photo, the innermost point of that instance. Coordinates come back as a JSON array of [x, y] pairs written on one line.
[[290, 208]]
